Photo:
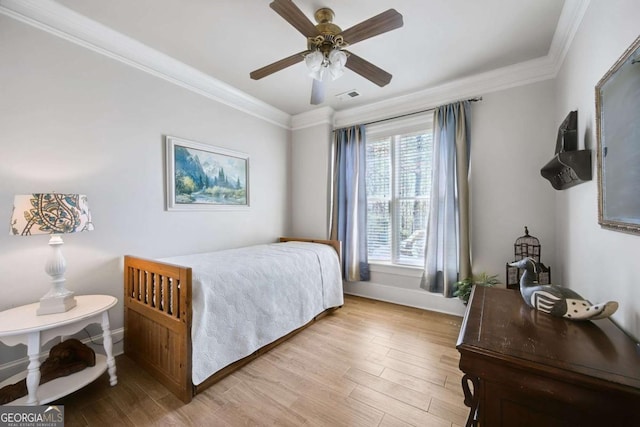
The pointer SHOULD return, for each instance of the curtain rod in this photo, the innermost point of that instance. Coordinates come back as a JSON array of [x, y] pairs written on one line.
[[476, 99]]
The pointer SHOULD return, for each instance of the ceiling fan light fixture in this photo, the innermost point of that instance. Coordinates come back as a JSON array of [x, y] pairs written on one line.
[[315, 64], [337, 62]]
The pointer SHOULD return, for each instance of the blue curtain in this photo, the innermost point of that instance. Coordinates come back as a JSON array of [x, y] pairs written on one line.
[[447, 253], [349, 201]]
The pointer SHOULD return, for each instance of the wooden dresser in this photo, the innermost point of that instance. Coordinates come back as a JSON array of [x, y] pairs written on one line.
[[526, 368]]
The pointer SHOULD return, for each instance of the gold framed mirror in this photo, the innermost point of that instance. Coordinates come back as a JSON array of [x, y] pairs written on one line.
[[618, 143]]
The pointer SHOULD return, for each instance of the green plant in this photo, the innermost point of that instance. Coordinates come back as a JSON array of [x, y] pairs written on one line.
[[463, 287]]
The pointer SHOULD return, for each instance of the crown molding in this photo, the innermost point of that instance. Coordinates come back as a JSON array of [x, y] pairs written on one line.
[[318, 116], [60, 21], [503, 78], [570, 19]]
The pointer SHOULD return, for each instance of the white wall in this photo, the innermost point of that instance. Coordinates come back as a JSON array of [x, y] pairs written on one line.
[[598, 263], [512, 137], [310, 188], [72, 120]]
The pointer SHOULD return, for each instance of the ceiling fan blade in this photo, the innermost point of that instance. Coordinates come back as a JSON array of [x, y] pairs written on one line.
[[278, 65], [317, 92], [367, 70], [386, 21], [294, 16]]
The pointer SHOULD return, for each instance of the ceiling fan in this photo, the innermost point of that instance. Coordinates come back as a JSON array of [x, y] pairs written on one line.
[[326, 46]]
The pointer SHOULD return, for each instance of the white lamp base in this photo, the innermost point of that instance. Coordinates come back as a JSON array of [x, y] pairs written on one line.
[[58, 299], [56, 304]]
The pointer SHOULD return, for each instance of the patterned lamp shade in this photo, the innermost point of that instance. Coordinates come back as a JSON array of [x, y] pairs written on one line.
[[50, 213]]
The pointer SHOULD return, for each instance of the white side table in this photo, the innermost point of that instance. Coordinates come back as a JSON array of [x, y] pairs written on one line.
[[21, 325]]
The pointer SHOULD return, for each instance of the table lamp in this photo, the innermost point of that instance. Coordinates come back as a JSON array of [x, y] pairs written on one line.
[[54, 214]]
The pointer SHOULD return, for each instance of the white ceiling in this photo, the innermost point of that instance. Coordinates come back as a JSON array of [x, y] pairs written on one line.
[[441, 41]]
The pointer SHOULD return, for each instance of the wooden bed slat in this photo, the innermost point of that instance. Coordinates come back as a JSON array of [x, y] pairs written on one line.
[[175, 307]]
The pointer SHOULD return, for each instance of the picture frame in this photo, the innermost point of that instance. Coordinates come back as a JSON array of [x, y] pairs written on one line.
[[202, 177], [618, 146]]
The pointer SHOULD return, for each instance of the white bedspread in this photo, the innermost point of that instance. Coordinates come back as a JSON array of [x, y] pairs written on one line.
[[246, 298]]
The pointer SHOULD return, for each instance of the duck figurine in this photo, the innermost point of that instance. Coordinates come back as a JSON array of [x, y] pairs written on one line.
[[558, 300]]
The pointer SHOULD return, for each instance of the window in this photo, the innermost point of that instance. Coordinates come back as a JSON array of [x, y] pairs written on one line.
[[398, 187]]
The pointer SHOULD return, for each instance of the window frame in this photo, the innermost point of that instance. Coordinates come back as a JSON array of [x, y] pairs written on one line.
[[394, 129]]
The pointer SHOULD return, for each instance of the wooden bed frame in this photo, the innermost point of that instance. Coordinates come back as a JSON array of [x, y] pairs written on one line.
[[157, 320]]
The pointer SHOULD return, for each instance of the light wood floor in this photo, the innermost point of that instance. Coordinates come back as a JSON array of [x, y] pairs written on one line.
[[368, 364]]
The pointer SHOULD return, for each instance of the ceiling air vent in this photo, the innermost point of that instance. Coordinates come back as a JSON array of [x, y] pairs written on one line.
[[345, 96]]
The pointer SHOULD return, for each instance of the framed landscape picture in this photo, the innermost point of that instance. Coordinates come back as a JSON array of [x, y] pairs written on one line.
[[204, 177]]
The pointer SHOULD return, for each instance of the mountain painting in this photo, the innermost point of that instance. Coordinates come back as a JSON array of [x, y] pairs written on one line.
[[208, 177]]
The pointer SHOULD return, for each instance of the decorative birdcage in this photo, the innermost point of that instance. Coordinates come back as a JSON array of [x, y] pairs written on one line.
[[527, 246]]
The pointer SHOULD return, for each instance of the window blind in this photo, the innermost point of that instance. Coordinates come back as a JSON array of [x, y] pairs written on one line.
[[398, 185]]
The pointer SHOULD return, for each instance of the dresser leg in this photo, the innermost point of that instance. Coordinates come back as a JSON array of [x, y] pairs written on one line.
[[33, 370], [108, 348], [471, 398]]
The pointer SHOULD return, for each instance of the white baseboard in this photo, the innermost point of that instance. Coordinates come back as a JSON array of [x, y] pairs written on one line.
[[417, 298], [95, 342]]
